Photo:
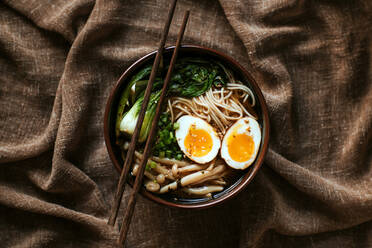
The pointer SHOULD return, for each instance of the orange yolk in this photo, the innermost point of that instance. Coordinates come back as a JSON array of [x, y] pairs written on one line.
[[198, 142], [240, 147]]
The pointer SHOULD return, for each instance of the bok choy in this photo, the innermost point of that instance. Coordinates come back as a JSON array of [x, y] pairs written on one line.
[[129, 121], [125, 95]]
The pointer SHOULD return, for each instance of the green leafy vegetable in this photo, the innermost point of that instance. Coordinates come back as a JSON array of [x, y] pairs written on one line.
[[192, 77], [125, 95], [129, 121]]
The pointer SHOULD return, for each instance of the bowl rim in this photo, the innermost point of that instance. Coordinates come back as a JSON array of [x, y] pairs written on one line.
[[246, 179]]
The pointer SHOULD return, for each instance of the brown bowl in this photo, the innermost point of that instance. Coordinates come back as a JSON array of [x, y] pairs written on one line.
[[261, 108]]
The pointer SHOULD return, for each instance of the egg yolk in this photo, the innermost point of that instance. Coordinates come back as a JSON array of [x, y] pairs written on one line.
[[240, 147], [198, 142]]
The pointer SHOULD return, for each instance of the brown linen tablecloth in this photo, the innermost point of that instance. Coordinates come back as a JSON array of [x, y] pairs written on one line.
[[59, 60]]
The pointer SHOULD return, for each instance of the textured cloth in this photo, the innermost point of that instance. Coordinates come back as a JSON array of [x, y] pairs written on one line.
[[59, 60]]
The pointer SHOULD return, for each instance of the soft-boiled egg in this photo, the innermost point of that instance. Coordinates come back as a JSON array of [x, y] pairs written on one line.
[[241, 143], [197, 139]]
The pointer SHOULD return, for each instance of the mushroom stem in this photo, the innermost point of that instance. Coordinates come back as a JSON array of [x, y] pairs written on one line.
[[162, 170], [203, 190], [168, 187], [200, 175], [190, 168], [168, 161], [158, 168], [147, 174], [194, 177], [210, 178], [175, 170]]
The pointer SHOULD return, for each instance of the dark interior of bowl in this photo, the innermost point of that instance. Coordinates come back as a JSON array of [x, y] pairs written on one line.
[[189, 51]]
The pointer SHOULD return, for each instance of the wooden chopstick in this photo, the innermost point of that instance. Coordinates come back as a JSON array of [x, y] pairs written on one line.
[[141, 116], [150, 140]]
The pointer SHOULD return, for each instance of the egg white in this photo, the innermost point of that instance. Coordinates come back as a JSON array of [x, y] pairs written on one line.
[[185, 123], [250, 127]]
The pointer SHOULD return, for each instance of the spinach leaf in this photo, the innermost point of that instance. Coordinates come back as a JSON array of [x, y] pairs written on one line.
[[193, 77]]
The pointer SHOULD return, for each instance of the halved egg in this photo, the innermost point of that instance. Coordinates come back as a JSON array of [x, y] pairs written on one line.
[[241, 143], [197, 139]]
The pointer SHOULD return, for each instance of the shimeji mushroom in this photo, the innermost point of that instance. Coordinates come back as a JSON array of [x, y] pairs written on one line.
[[192, 178], [203, 190]]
